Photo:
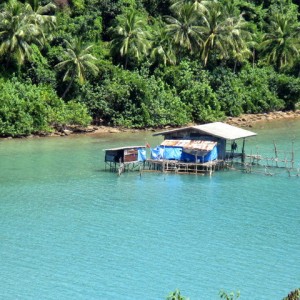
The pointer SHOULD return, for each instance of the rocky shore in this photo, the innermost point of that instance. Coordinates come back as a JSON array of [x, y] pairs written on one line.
[[247, 120]]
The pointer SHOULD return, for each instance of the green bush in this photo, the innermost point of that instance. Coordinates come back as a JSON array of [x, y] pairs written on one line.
[[193, 86], [27, 108], [258, 94], [133, 100], [250, 91], [288, 89]]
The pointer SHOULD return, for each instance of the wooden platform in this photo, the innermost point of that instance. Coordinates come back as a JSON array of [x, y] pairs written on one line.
[[181, 167], [124, 167]]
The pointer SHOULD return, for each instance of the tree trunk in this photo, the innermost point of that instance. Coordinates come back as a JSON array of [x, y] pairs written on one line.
[[68, 87]]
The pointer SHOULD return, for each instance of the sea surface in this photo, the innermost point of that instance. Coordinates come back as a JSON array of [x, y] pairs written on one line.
[[70, 230]]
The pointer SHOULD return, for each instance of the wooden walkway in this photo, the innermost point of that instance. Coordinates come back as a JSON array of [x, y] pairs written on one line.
[[181, 167]]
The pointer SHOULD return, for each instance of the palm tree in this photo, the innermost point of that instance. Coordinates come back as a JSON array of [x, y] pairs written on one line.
[[184, 28], [17, 32], [162, 47], [240, 55], [42, 15], [130, 37], [223, 33], [240, 39], [78, 63], [281, 44], [198, 5]]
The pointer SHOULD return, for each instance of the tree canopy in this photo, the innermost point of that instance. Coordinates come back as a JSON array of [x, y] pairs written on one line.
[[141, 63]]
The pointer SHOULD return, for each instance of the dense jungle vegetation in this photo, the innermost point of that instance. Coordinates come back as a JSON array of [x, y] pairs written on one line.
[[142, 63]]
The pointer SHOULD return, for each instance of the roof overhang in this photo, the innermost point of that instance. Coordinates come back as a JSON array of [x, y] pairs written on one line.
[[190, 144], [216, 129], [125, 148]]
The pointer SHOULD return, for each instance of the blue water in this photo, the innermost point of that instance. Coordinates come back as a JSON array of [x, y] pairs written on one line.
[[69, 230]]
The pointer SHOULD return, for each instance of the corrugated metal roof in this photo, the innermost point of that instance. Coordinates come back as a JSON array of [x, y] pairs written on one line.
[[217, 129], [190, 144], [175, 143], [201, 145], [124, 148]]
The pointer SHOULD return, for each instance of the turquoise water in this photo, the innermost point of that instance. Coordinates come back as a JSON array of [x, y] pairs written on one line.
[[69, 230]]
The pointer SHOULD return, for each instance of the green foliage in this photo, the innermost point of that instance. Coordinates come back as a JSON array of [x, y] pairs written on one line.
[[27, 108], [293, 295], [230, 296], [157, 7], [176, 295], [20, 27], [228, 93], [191, 66], [97, 103], [288, 89], [38, 70], [76, 114], [77, 63], [69, 26], [194, 89], [256, 91], [133, 100], [202, 102], [162, 107], [251, 91], [130, 39], [78, 5]]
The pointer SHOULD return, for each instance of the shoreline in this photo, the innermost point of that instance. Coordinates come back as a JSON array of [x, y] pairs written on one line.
[[244, 120], [248, 120]]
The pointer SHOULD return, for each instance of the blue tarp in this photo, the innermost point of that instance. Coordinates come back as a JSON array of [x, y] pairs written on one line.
[[172, 153], [212, 155], [157, 153], [142, 155], [177, 153]]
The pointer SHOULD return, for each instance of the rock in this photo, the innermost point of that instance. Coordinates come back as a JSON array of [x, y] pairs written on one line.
[[247, 119], [114, 130], [67, 132]]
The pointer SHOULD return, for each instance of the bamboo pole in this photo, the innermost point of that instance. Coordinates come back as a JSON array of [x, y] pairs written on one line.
[[293, 154], [276, 153]]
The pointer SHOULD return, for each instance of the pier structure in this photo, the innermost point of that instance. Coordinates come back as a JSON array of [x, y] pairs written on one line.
[[127, 158], [180, 167], [280, 162], [200, 149]]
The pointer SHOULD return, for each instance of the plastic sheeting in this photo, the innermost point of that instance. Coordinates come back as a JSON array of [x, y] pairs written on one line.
[[142, 155], [157, 153], [177, 153], [172, 153], [212, 155]]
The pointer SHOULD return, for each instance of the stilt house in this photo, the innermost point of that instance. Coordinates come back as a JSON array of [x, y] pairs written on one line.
[[202, 143], [124, 157]]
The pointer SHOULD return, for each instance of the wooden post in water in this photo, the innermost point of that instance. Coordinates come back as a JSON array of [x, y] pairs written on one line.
[[276, 154], [293, 154], [243, 151]]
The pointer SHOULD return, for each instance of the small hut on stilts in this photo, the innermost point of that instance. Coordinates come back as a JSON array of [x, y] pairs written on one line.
[[198, 149]]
